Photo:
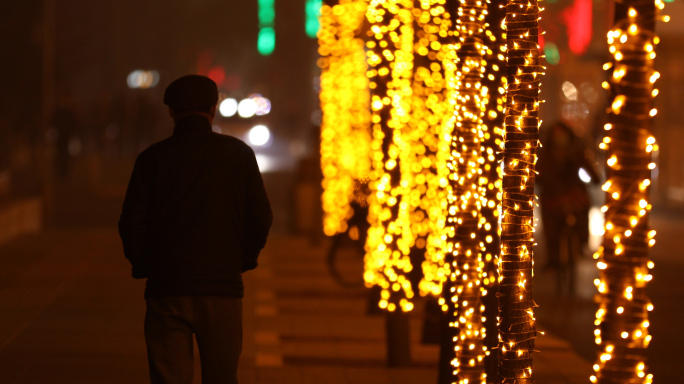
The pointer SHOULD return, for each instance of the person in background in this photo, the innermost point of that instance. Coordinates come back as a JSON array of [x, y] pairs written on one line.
[[564, 199], [195, 217]]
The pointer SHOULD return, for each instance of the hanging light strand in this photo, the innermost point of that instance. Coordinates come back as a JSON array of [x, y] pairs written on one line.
[[390, 61], [622, 320], [345, 104], [430, 110]]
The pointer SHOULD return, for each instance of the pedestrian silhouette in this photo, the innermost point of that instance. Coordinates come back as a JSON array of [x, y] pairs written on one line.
[[195, 218], [564, 198]]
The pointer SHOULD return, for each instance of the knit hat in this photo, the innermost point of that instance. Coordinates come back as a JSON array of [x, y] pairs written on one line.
[[191, 92]]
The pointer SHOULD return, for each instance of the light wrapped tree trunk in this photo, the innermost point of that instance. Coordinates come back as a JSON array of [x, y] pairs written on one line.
[[490, 180], [521, 137], [622, 319], [465, 200]]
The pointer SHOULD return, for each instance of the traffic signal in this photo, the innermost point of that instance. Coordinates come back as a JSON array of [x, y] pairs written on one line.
[[313, 12], [267, 38]]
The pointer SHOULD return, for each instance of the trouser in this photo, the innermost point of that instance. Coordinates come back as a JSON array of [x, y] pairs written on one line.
[[170, 323]]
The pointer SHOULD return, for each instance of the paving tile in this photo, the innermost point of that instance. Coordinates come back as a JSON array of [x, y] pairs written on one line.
[[281, 375], [368, 376], [266, 310], [263, 359], [327, 375], [266, 338], [411, 376]]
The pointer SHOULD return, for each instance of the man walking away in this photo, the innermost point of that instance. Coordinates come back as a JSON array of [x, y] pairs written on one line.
[[195, 217]]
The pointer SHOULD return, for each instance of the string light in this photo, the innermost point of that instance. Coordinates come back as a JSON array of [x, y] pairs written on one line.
[[490, 180], [464, 200], [517, 324], [345, 103], [389, 241], [622, 318], [429, 150]]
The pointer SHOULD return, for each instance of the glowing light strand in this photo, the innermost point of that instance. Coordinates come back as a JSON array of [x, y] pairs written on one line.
[[431, 112], [390, 59], [622, 319], [345, 103], [521, 136], [464, 202], [490, 181], [427, 185]]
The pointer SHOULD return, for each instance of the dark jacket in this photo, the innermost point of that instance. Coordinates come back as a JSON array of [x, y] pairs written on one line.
[[196, 214]]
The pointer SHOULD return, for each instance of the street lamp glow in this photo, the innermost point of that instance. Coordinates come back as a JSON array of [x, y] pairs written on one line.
[[142, 79], [260, 135], [247, 108], [228, 107]]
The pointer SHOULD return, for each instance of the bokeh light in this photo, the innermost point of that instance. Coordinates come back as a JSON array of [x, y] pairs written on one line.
[[263, 105], [142, 79], [228, 107], [247, 108], [259, 135]]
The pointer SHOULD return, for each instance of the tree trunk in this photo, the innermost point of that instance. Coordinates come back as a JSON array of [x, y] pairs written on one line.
[[622, 319], [517, 326]]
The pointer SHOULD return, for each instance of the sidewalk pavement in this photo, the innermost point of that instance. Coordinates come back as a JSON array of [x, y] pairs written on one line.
[[72, 314]]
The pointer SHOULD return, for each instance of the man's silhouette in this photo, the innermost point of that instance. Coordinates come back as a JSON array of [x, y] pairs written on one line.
[[564, 198], [195, 217]]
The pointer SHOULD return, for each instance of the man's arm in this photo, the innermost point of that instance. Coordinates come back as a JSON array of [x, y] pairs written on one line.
[[258, 215], [133, 224]]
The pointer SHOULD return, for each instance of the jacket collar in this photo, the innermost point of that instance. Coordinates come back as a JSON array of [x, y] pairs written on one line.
[[191, 124]]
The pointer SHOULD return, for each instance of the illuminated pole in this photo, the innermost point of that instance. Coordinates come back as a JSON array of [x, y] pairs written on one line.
[[464, 202], [517, 324], [622, 318], [387, 262], [490, 180], [345, 103]]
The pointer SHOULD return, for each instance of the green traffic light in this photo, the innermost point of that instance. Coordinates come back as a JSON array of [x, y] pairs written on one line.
[[313, 12], [266, 41]]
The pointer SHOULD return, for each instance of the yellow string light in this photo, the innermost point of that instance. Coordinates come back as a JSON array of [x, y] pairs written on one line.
[[464, 200], [490, 180], [491, 149], [622, 318], [431, 113], [521, 136], [345, 103], [389, 241]]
